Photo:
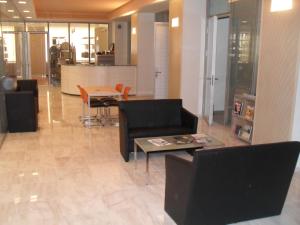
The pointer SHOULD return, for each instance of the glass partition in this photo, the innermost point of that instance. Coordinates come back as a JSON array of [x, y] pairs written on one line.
[[243, 47], [13, 26], [58, 33], [217, 7], [79, 36], [37, 27], [2, 100], [98, 39]]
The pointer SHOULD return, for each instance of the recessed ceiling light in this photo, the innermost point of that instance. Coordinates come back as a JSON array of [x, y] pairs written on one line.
[[3, 1], [26, 11], [10, 10], [16, 17], [22, 2], [28, 17]]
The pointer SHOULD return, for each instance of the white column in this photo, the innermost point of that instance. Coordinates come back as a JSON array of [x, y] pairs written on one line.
[[193, 54]]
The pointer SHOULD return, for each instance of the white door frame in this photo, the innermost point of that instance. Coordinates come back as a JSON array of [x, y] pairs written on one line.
[[210, 69], [157, 72]]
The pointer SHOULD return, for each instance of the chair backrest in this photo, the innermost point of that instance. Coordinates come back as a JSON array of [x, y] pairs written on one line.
[[83, 94], [28, 85], [126, 93], [240, 183], [119, 87], [152, 113]]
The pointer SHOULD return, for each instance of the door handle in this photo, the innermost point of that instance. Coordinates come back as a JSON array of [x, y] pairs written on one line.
[[210, 78], [157, 73]]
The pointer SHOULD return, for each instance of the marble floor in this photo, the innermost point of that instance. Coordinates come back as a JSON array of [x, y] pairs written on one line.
[[66, 174]]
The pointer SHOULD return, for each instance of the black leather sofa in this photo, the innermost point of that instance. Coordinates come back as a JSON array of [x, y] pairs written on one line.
[[230, 185], [151, 118], [22, 107]]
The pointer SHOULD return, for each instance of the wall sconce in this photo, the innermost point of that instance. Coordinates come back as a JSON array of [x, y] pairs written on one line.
[[175, 22], [133, 30], [281, 5]]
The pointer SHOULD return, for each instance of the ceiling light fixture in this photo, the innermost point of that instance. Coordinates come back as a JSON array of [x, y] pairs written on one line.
[[281, 5], [28, 17], [2, 1], [10, 10], [22, 2], [133, 30], [175, 22], [26, 11], [16, 17]]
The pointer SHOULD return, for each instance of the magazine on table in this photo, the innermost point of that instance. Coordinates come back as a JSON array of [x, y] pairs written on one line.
[[201, 138], [159, 142], [183, 139]]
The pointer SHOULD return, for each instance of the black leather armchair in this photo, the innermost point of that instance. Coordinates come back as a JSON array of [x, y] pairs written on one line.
[[21, 111], [230, 185], [152, 118], [29, 85], [22, 107]]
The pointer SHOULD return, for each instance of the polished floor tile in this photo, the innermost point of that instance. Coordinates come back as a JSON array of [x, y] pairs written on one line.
[[66, 174]]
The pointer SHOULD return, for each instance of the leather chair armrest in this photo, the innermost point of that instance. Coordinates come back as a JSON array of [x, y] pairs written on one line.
[[189, 120], [179, 174], [124, 136]]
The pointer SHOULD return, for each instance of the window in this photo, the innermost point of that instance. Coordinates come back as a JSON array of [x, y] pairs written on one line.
[[98, 39], [79, 34]]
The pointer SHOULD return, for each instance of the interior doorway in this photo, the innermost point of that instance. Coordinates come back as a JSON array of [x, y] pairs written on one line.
[[38, 57], [161, 59], [25, 55], [216, 79]]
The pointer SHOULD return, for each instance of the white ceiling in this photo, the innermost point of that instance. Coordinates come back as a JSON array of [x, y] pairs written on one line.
[[14, 11]]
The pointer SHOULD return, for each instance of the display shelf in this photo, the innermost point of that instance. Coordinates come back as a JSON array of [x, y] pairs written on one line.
[[243, 116]]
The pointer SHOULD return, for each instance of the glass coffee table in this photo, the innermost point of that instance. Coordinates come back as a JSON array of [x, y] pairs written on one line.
[[174, 143]]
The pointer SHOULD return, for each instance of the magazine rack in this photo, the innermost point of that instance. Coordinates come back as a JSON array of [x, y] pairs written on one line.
[[243, 116]]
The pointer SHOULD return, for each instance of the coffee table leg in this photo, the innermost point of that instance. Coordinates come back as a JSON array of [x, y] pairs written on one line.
[[135, 155], [147, 163]]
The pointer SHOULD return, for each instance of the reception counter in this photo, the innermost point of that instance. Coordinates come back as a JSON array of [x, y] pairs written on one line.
[[91, 75]]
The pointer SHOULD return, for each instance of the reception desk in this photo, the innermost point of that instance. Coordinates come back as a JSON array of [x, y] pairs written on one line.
[[92, 75]]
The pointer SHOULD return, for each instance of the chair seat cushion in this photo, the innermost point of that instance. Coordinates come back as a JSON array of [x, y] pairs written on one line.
[[160, 131], [96, 103]]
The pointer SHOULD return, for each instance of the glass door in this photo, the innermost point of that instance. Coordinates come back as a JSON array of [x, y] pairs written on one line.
[[210, 69]]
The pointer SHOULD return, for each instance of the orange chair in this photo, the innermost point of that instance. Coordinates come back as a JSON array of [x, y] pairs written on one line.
[[82, 117], [94, 103], [126, 93], [119, 87]]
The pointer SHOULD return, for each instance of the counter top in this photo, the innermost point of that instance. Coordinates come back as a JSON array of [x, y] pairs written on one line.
[[95, 65]]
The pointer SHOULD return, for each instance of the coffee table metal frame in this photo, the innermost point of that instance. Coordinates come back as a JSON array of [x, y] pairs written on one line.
[[148, 147]]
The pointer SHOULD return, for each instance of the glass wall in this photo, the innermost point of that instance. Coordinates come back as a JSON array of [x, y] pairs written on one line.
[[243, 48], [79, 36], [98, 39], [217, 7], [2, 99]]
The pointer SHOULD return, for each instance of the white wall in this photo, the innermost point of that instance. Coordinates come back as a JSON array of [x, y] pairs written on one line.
[[296, 123], [277, 107], [145, 53], [193, 54], [121, 42]]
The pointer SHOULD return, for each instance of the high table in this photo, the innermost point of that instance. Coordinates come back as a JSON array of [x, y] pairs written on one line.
[[100, 91]]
